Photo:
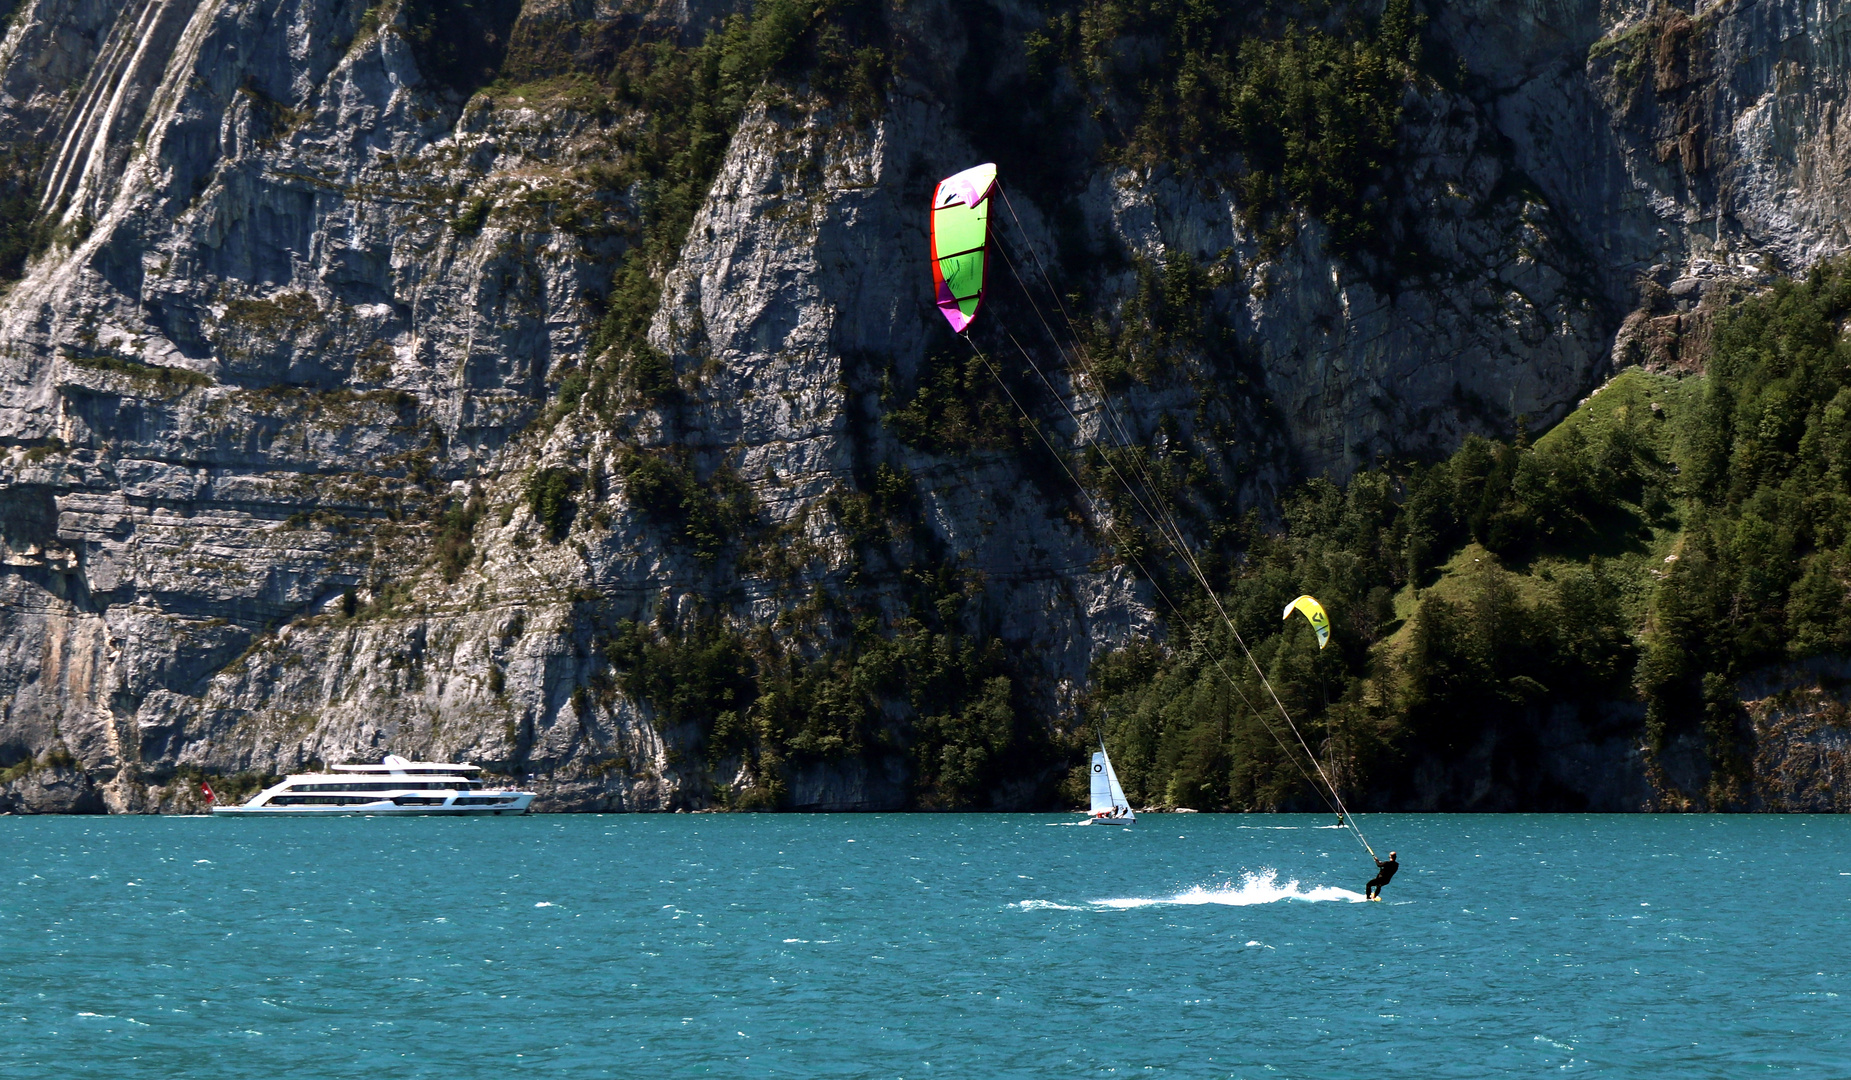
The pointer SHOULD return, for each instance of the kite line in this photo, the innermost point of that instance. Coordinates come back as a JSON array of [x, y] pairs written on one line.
[[960, 215], [1129, 552]]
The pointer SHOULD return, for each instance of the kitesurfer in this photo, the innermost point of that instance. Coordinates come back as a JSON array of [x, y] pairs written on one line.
[[1384, 871]]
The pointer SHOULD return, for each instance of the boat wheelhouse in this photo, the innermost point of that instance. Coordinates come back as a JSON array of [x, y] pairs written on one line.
[[394, 786]]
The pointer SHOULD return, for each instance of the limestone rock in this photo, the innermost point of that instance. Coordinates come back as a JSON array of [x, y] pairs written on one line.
[[303, 299]]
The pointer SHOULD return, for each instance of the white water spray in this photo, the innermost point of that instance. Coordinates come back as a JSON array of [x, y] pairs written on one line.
[[1257, 887]]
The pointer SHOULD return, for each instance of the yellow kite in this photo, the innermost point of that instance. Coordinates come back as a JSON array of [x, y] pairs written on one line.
[[1314, 612]]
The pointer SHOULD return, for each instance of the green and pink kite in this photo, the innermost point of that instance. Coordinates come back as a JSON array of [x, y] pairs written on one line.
[[960, 235]]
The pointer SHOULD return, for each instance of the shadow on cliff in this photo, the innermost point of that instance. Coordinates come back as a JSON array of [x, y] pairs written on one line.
[[460, 44]]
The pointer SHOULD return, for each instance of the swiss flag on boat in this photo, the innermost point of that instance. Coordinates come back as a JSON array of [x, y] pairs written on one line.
[[207, 788]]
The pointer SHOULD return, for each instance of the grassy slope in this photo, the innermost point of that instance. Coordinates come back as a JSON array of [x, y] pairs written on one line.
[[1633, 544]]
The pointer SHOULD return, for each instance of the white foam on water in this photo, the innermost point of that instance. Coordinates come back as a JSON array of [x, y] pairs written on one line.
[[545, 903], [1045, 905], [1259, 887]]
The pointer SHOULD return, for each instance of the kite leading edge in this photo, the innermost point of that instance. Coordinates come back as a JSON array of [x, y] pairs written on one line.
[[960, 235]]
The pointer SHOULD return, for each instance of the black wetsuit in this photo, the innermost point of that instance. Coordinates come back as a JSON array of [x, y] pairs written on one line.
[[1384, 872]]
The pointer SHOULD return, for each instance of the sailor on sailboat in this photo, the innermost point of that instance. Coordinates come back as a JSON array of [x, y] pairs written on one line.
[[1109, 805]]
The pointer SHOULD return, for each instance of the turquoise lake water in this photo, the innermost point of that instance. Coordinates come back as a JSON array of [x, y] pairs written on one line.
[[924, 945]]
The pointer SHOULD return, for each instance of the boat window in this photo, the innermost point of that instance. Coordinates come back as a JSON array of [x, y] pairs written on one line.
[[320, 800], [401, 785]]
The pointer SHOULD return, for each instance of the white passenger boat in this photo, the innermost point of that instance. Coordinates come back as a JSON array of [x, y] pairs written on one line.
[[394, 786]]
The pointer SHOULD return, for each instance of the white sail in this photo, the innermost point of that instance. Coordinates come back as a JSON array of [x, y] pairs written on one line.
[[1122, 805], [1104, 784], [1108, 798]]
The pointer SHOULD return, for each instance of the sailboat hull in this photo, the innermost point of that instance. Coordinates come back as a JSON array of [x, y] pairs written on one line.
[[1109, 821]]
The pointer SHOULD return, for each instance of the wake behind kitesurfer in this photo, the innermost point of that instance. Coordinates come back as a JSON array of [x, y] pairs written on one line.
[[1384, 872]]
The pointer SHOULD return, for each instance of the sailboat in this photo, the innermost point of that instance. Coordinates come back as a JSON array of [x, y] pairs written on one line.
[[1110, 807]]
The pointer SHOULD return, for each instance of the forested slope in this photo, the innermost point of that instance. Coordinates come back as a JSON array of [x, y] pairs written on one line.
[[1647, 606]]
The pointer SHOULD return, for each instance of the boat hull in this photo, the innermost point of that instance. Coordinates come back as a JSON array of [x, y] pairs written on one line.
[[1109, 821]]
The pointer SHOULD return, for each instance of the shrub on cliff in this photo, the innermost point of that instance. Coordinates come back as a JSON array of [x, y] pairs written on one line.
[[549, 496], [1308, 106]]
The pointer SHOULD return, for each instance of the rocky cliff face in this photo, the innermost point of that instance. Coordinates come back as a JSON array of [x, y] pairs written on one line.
[[318, 445]]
